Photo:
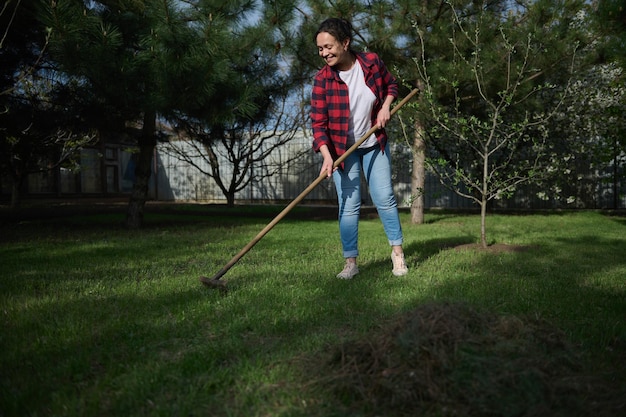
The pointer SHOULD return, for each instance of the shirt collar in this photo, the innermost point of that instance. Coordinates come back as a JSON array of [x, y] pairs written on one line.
[[361, 57]]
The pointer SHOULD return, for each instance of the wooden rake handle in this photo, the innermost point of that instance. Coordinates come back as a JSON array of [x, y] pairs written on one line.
[[304, 193]]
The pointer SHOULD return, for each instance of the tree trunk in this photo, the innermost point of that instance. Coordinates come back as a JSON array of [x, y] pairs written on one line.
[[615, 174], [16, 191], [418, 176], [230, 200], [143, 168], [483, 223], [483, 199]]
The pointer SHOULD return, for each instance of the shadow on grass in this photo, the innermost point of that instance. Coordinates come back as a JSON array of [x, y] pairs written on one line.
[[619, 219], [419, 252]]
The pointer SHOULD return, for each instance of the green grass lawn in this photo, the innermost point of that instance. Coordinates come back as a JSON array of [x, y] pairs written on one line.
[[101, 321]]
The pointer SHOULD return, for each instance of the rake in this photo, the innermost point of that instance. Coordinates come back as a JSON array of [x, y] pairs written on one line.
[[216, 282]]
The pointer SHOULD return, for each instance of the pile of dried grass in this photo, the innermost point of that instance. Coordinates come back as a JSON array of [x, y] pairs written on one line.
[[454, 360]]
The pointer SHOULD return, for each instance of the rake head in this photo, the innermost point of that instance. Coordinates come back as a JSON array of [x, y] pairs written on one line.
[[214, 283]]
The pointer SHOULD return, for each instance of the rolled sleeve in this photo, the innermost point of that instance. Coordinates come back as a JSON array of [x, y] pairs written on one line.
[[319, 115]]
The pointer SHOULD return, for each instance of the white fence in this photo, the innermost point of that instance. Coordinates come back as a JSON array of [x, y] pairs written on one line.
[[180, 181]]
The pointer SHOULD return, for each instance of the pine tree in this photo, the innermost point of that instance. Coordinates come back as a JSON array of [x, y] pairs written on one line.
[[146, 61]]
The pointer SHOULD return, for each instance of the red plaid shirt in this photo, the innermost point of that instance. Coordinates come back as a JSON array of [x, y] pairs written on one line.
[[330, 107]]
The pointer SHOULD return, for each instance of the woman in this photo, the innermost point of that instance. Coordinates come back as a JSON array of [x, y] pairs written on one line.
[[352, 93]]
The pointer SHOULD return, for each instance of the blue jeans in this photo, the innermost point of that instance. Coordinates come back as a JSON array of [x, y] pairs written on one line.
[[376, 166]]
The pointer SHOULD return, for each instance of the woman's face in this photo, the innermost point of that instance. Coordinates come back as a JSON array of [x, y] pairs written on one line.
[[335, 53]]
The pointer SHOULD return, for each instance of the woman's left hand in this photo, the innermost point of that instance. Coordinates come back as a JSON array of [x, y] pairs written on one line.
[[383, 117], [384, 114]]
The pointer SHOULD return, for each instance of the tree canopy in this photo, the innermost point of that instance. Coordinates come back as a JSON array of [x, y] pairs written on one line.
[[217, 68], [207, 63]]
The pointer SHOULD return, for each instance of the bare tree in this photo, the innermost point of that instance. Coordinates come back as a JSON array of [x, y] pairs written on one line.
[[249, 148], [491, 138], [37, 152], [37, 132]]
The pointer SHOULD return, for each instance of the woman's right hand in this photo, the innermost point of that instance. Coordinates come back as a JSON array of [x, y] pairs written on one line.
[[327, 167], [327, 164]]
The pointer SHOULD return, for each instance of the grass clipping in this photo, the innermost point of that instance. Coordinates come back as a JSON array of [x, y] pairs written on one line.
[[453, 360]]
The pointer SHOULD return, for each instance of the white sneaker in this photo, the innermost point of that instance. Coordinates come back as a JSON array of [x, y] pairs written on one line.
[[399, 266], [349, 271]]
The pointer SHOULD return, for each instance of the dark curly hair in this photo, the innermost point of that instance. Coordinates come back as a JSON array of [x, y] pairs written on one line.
[[341, 29]]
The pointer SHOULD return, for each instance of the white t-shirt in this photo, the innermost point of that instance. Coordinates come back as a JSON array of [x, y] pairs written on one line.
[[361, 104]]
